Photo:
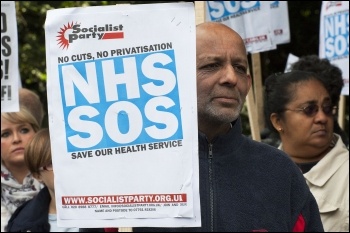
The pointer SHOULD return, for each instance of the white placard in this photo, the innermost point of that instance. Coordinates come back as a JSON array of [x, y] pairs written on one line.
[[243, 17], [9, 58], [280, 21], [334, 37], [123, 115]]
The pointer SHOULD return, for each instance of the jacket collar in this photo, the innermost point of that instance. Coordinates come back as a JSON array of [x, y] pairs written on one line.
[[328, 165]]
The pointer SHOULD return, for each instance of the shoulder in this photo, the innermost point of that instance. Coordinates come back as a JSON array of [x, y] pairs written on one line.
[[335, 163], [31, 212], [272, 163], [263, 151]]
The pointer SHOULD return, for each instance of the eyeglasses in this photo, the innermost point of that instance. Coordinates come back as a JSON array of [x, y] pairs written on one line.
[[46, 168], [312, 109]]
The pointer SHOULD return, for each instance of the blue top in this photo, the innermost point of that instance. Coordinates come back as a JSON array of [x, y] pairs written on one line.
[[250, 186]]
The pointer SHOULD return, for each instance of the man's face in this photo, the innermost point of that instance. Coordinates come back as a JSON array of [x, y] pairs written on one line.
[[222, 79]]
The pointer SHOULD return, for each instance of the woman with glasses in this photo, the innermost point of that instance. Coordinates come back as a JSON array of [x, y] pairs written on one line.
[[299, 109], [332, 76], [17, 128]]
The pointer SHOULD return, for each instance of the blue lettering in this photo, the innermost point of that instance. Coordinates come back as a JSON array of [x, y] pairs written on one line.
[[336, 30], [223, 9], [120, 101]]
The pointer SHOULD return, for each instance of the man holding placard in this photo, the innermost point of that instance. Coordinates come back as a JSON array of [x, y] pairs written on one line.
[[245, 186]]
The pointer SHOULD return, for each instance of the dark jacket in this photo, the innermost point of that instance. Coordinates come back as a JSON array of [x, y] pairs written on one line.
[[250, 186], [33, 216]]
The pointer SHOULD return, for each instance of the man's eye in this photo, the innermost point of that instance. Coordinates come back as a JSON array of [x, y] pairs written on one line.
[[210, 66], [240, 69]]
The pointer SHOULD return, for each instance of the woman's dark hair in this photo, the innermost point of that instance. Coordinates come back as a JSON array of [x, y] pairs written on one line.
[[329, 74]]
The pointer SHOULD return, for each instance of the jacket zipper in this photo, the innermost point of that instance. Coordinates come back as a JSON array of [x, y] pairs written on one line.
[[211, 190]]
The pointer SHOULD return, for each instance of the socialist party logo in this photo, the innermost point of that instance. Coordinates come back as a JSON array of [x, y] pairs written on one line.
[[74, 32]]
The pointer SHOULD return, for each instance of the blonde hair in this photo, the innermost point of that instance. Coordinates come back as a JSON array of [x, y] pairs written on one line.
[[23, 116], [38, 151]]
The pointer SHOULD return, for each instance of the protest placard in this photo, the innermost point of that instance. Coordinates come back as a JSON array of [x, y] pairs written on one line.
[[334, 37], [280, 21], [9, 58], [242, 17], [123, 115]]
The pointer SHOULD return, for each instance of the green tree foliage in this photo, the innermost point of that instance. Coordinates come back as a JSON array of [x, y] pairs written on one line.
[[304, 20]]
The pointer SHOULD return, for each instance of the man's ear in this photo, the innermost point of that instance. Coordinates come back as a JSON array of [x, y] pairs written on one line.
[[249, 78]]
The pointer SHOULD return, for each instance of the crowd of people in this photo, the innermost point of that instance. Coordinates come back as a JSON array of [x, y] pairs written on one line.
[[302, 184]]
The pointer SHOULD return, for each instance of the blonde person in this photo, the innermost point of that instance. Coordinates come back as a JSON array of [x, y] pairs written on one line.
[[301, 111], [39, 213], [16, 130], [17, 184]]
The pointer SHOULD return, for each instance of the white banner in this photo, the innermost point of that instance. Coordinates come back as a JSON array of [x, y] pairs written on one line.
[[123, 115], [280, 21], [334, 37], [252, 20], [9, 58]]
